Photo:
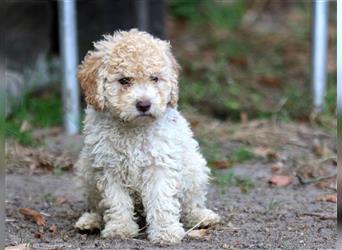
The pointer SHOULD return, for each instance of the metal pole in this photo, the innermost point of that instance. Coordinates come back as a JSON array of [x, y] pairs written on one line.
[[320, 46], [68, 42], [142, 14]]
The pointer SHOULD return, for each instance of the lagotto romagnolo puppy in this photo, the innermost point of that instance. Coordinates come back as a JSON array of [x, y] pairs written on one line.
[[139, 150]]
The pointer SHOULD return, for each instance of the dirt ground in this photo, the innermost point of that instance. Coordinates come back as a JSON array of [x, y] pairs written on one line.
[[265, 216]]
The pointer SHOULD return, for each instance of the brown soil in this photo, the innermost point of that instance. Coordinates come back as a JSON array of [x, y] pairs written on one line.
[[264, 217]]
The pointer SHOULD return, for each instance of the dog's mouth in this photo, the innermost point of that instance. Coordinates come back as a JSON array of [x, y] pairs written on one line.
[[145, 115]]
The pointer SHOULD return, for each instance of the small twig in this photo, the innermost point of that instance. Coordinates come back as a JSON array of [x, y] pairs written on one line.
[[199, 223], [320, 216], [10, 220], [298, 144], [327, 159], [138, 240], [332, 188], [313, 180], [231, 228], [45, 214]]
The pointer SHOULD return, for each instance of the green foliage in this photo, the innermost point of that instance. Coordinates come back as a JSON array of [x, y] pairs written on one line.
[[272, 205], [58, 172], [49, 198], [331, 95], [211, 149], [224, 76], [231, 48], [185, 9], [24, 138], [224, 14], [329, 114], [298, 103], [224, 180], [241, 155], [41, 111]]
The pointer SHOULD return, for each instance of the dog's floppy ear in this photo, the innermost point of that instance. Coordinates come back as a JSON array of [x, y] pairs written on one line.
[[174, 79], [88, 76]]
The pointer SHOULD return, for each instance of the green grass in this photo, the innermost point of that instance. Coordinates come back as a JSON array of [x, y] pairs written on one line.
[[231, 82], [40, 111], [217, 13], [57, 171], [272, 205], [211, 149], [224, 180], [241, 154], [48, 198]]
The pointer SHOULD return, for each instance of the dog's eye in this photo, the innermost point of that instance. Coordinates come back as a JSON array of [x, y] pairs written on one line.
[[154, 78], [125, 81]]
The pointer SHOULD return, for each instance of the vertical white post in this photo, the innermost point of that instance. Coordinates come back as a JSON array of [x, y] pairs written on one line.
[[68, 43], [320, 46]]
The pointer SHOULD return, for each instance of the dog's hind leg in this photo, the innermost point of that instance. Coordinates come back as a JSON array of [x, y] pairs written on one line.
[[194, 211], [89, 221]]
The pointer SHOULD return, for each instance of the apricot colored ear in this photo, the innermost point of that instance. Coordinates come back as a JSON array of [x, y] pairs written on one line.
[[88, 76], [175, 71]]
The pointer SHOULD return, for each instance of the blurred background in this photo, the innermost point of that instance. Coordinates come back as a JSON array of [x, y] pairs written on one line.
[[245, 88], [239, 58]]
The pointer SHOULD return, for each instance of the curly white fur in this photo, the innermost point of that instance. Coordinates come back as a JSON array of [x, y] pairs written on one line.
[[129, 159]]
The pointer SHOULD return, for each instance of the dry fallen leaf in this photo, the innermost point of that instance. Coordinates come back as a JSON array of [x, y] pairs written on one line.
[[328, 198], [221, 164], [38, 235], [40, 134], [25, 127], [272, 155], [270, 80], [32, 214], [40, 159], [53, 229], [317, 148], [276, 167], [308, 172], [18, 247], [325, 184], [60, 200], [239, 61], [266, 153], [226, 247], [194, 123], [198, 233], [280, 180]]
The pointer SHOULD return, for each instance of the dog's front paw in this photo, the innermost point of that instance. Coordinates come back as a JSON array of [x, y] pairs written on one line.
[[89, 221], [113, 230], [209, 218], [171, 234]]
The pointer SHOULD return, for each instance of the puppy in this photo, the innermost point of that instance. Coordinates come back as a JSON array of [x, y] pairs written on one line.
[[138, 151]]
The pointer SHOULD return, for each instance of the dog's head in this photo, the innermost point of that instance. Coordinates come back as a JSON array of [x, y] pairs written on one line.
[[132, 75]]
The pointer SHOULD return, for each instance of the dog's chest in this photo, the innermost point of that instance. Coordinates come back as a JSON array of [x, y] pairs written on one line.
[[132, 152]]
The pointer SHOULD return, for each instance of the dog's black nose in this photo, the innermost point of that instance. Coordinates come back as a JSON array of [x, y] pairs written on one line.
[[143, 106]]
